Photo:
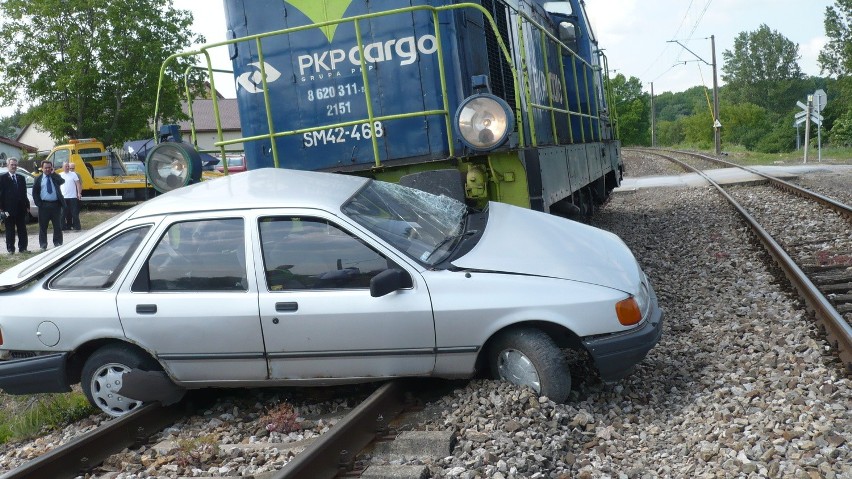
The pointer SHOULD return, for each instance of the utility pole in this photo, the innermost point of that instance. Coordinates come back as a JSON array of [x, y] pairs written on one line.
[[653, 119], [717, 125]]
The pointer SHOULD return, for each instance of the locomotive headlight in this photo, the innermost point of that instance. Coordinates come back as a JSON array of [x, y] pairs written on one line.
[[171, 165], [484, 121]]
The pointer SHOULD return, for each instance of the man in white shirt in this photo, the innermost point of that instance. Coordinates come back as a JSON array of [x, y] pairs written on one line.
[[72, 190]]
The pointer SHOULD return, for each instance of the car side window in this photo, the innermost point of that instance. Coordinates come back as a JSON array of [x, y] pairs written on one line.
[[100, 268], [309, 253], [205, 255]]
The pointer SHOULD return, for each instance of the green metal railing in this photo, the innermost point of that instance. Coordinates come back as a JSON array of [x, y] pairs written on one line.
[[372, 118]]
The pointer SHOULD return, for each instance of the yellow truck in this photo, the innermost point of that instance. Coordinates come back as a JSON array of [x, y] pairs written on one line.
[[102, 174]]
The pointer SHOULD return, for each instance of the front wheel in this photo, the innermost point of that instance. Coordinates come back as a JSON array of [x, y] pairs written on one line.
[[529, 357], [103, 375]]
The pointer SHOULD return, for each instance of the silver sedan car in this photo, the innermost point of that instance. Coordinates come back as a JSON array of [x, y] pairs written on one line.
[[281, 277]]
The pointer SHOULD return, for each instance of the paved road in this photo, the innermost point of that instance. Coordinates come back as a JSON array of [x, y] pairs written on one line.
[[32, 230], [725, 176]]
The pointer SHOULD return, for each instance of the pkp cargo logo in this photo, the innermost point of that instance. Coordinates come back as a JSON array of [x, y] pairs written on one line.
[[252, 81]]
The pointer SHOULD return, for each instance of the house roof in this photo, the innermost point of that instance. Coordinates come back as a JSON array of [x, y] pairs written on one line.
[[202, 110], [18, 144]]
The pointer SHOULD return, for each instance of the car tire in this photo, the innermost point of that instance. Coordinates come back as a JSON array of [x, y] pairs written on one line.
[[529, 357], [102, 375]]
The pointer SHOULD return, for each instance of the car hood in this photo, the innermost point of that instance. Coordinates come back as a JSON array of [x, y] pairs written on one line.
[[522, 241]]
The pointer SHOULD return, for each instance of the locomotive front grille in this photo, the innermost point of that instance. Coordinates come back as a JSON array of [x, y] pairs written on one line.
[[500, 75]]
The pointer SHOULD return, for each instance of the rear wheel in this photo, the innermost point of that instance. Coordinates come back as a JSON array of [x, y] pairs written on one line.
[[103, 375], [529, 357]]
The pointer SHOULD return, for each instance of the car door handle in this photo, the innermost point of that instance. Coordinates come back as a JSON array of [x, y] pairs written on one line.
[[146, 308], [288, 307]]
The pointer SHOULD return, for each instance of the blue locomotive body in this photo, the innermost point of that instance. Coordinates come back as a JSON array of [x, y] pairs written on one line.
[[385, 88]]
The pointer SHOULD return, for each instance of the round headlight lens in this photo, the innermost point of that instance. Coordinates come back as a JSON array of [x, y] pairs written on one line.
[[172, 165], [484, 121]]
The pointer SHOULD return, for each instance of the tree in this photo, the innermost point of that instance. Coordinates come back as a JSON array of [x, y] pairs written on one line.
[[762, 69], [634, 112], [836, 59], [745, 124], [670, 133], [91, 68], [673, 106], [9, 125], [836, 56]]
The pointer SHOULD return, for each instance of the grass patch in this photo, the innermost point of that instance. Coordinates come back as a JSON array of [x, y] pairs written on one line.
[[26, 417]]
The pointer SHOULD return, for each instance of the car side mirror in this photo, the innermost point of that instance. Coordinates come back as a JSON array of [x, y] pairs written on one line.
[[388, 281]]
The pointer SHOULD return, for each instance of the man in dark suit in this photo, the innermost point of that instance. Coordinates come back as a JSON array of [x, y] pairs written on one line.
[[48, 197], [16, 206]]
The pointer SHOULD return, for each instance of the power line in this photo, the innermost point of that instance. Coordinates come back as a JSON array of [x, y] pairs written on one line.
[[700, 17], [682, 20]]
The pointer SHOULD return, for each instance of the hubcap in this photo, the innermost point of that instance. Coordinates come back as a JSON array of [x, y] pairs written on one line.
[[106, 383], [515, 367]]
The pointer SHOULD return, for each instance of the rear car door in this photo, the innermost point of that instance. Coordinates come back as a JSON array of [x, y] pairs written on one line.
[[193, 302], [318, 317]]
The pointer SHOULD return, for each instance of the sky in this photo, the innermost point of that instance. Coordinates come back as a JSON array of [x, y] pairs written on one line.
[[635, 33]]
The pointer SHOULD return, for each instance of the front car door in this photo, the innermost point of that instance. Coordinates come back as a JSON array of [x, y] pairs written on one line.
[[193, 302], [319, 320]]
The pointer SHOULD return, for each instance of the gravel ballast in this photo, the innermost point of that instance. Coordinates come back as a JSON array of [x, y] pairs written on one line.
[[741, 384]]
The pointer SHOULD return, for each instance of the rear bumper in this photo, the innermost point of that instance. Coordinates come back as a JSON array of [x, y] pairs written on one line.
[[617, 355], [41, 374]]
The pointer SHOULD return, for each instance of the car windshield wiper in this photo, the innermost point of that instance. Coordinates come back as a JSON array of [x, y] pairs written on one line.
[[453, 240]]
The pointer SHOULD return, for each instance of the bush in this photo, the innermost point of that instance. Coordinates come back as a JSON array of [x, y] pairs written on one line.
[[779, 140]]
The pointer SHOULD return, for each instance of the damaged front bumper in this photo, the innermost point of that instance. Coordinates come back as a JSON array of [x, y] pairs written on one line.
[[617, 355], [39, 374]]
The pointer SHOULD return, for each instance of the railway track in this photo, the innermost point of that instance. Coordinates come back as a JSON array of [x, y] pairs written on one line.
[[819, 268], [333, 454], [90, 449]]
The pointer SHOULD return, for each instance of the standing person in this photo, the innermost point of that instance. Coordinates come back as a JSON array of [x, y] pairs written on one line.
[[48, 197], [72, 191], [16, 206]]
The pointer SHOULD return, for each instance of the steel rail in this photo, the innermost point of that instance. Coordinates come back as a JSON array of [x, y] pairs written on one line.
[[334, 451], [841, 208], [92, 448], [839, 332]]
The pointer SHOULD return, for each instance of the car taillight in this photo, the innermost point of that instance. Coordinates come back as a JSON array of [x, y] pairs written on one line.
[[1, 337], [628, 311]]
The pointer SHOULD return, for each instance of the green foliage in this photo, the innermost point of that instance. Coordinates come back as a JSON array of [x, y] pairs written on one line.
[[43, 412], [762, 69], [670, 133], [780, 139], [634, 113], [836, 56], [10, 124], [698, 130], [744, 124], [673, 106], [92, 68], [841, 132]]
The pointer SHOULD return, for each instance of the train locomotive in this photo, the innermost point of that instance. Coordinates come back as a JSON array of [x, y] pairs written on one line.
[[503, 100]]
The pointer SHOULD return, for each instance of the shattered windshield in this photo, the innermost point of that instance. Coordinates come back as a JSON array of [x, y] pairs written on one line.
[[422, 225]]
